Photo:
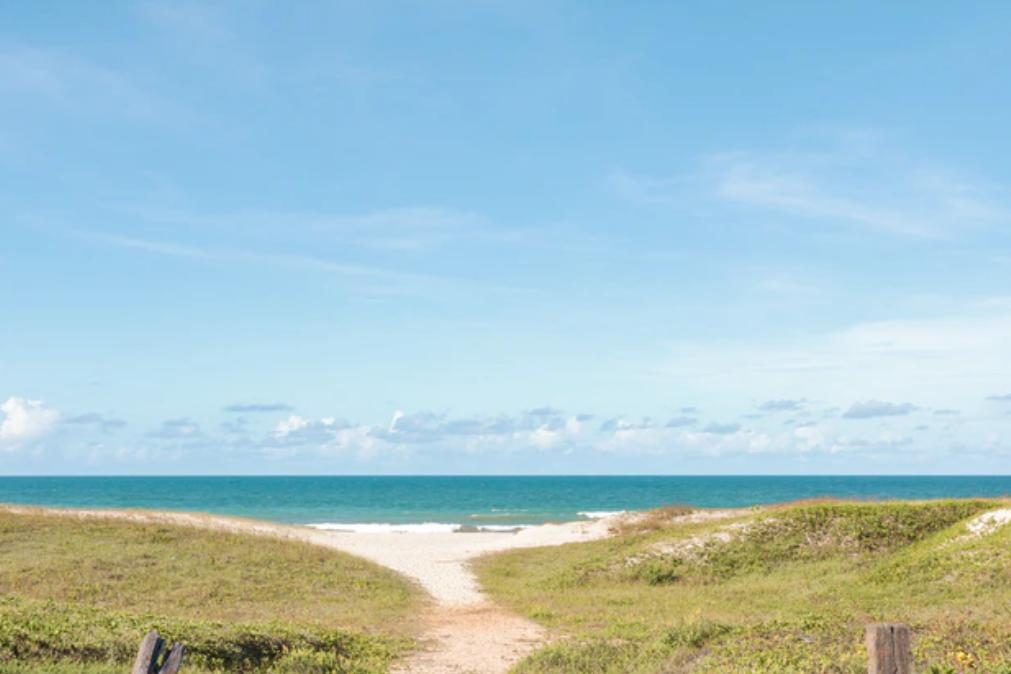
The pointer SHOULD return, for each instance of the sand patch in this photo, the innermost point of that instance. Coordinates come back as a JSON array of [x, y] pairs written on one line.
[[479, 638], [988, 522], [688, 548]]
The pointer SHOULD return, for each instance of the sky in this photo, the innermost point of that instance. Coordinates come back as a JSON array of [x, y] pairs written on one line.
[[505, 237]]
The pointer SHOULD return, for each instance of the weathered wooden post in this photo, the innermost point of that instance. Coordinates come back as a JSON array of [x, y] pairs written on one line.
[[174, 660], [889, 649], [147, 655], [150, 649]]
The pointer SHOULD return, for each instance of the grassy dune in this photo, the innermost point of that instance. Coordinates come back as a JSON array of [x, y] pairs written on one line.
[[779, 590], [78, 595]]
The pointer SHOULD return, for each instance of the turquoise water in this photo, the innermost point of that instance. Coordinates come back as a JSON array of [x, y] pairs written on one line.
[[466, 501]]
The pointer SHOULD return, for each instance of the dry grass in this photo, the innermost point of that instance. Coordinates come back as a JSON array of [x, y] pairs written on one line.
[[649, 520]]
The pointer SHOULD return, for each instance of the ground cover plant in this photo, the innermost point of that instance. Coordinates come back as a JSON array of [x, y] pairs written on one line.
[[785, 589], [77, 595]]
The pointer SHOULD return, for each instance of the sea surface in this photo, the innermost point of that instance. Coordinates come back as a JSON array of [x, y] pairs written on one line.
[[454, 503]]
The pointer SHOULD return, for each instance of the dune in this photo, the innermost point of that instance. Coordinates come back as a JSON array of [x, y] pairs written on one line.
[[463, 630]]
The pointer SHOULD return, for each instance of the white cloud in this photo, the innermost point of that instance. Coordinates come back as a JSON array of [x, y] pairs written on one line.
[[893, 430], [943, 361], [808, 439], [397, 416], [724, 441], [536, 429], [325, 435], [545, 438], [437, 436], [615, 424], [714, 440], [290, 425], [25, 420]]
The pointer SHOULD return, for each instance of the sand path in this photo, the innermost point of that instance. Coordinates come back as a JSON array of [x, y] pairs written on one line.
[[463, 630]]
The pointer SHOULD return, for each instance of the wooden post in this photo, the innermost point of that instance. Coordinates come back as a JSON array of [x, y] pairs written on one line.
[[150, 649], [147, 655], [889, 649], [174, 660]]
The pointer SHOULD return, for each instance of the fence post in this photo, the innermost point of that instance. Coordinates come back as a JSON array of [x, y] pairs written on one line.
[[889, 649], [174, 660], [147, 656]]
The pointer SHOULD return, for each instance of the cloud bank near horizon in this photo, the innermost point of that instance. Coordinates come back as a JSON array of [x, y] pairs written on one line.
[[861, 431]]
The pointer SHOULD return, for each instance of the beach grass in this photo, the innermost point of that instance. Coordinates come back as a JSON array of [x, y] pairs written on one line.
[[786, 589], [77, 595]]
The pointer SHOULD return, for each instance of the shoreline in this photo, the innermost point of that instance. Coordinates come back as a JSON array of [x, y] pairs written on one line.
[[457, 527], [488, 501]]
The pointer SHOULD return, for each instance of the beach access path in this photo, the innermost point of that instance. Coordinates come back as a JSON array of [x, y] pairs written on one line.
[[463, 631]]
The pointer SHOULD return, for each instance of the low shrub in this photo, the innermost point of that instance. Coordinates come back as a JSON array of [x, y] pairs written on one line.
[[53, 632]]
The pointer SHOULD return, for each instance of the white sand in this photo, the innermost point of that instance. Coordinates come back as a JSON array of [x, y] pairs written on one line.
[[439, 561], [989, 522]]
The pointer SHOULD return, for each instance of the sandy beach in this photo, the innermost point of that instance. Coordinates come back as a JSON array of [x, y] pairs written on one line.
[[463, 630]]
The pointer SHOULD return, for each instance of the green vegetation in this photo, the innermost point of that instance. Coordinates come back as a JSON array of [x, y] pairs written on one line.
[[78, 595], [786, 589]]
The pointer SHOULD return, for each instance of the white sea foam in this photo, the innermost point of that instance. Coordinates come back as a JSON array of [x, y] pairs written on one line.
[[600, 514], [422, 528], [376, 528]]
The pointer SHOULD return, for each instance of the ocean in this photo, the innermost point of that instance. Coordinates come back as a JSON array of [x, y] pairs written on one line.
[[467, 503]]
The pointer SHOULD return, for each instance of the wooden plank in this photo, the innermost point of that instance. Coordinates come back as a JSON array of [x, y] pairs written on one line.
[[889, 649], [147, 654], [174, 659]]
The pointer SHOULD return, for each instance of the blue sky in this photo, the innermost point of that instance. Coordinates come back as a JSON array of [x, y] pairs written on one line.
[[482, 237]]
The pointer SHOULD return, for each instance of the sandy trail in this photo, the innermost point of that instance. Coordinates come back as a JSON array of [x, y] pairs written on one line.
[[464, 631], [476, 638]]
